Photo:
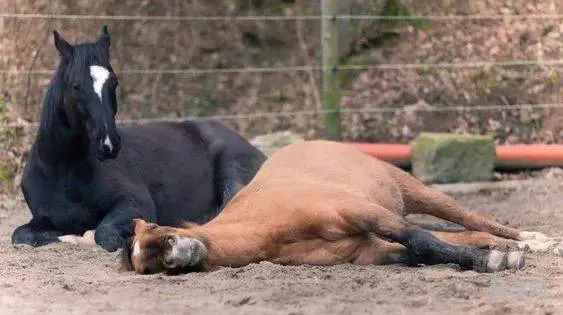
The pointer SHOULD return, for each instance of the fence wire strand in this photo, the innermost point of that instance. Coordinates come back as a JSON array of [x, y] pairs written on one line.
[[281, 17], [380, 67], [373, 110]]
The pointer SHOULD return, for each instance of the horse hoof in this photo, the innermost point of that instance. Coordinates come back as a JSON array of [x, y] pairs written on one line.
[[515, 260], [496, 261]]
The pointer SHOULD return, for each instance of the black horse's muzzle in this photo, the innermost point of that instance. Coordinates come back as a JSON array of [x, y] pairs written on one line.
[[107, 146]]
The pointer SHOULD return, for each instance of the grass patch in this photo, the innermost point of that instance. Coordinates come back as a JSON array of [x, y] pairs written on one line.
[[7, 175]]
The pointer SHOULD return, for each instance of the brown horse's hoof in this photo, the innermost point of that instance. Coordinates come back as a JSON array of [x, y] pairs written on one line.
[[496, 261], [515, 260]]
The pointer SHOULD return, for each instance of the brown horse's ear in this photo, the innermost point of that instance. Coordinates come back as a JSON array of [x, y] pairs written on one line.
[[139, 225]]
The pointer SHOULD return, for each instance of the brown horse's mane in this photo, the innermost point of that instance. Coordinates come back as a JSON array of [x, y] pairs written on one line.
[[189, 225]]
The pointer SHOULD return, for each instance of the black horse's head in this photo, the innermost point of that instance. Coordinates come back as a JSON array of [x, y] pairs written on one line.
[[89, 91]]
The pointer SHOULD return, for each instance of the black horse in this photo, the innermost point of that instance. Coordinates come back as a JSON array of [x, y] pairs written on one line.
[[168, 173]]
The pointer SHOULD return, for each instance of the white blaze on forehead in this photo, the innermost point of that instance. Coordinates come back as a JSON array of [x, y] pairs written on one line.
[[99, 75], [136, 249]]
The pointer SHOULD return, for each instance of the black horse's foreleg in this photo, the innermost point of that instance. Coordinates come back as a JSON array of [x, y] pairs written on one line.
[[117, 226], [37, 232]]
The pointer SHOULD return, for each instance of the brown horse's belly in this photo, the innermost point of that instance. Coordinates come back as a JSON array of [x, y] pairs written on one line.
[[358, 249]]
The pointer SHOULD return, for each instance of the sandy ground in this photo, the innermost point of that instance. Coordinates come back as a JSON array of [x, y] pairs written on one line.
[[68, 279]]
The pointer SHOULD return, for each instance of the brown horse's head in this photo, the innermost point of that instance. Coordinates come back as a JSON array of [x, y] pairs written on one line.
[[156, 248]]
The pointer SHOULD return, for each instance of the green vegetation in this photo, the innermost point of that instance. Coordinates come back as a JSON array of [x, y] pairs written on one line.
[[7, 175]]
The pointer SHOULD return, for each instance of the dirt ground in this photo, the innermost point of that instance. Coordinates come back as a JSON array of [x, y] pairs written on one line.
[[67, 279]]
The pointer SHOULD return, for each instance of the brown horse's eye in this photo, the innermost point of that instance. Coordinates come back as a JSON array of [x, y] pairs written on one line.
[[152, 226], [169, 240]]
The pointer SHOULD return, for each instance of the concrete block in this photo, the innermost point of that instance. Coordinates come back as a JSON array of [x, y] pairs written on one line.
[[448, 158], [272, 143]]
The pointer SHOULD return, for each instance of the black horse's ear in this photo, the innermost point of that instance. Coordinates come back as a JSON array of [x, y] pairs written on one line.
[[104, 38], [64, 48]]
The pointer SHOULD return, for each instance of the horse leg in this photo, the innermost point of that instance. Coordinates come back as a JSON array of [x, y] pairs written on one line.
[[421, 246], [475, 238], [421, 199], [424, 200], [117, 225], [38, 232]]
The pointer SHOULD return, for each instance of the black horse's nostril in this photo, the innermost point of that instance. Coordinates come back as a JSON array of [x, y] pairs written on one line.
[[105, 148]]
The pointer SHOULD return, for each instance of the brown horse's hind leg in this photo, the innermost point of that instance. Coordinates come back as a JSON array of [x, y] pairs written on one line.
[[421, 246], [475, 238], [424, 200]]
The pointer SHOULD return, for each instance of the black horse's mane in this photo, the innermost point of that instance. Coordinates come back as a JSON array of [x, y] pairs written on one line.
[[53, 99]]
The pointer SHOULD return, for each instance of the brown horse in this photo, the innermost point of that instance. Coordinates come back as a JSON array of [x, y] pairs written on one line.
[[323, 203]]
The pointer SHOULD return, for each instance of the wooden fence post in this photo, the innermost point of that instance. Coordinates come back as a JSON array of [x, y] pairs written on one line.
[[330, 75]]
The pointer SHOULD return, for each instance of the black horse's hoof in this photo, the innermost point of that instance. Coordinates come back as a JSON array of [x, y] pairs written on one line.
[[25, 235], [108, 239]]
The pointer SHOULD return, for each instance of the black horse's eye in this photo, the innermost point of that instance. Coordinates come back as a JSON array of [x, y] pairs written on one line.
[[76, 87], [153, 226]]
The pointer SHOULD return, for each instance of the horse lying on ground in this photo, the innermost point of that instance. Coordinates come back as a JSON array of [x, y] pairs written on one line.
[[75, 181], [323, 203]]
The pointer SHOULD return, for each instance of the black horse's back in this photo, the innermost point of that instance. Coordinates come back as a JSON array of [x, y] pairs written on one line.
[[191, 168]]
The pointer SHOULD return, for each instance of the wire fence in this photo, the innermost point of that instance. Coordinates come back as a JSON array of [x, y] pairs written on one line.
[[283, 18], [263, 70]]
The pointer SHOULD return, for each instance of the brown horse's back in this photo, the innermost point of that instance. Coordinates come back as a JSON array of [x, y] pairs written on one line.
[[318, 171]]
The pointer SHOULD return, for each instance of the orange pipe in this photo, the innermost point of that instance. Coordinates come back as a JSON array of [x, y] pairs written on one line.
[[533, 155], [398, 154], [385, 151], [521, 156]]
